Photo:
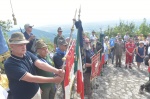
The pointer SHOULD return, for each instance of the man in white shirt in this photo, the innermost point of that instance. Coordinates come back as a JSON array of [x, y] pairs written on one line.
[[126, 37], [93, 39]]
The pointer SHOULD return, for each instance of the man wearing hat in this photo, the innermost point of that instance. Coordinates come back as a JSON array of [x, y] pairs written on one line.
[[48, 89], [29, 36], [21, 73], [60, 53], [93, 40], [118, 51], [59, 30]]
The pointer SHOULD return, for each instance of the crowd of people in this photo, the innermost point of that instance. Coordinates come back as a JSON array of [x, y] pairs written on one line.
[[32, 72]]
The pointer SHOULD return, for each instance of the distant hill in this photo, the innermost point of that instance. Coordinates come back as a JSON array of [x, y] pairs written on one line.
[[37, 33], [50, 31]]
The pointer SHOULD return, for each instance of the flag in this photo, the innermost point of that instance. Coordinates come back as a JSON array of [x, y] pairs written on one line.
[[78, 60], [95, 68], [102, 62], [3, 44], [69, 73]]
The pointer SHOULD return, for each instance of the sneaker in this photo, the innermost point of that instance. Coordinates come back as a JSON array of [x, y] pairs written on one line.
[[130, 67], [141, 89]]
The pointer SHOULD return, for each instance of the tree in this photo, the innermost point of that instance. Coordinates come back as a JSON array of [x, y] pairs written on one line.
[[122, 28], [144, 28], [6, 25]]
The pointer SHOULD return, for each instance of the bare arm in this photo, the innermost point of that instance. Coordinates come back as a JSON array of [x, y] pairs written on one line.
[[45, 67], [88, 65], [137, 51], [144, 51], [39, 79]]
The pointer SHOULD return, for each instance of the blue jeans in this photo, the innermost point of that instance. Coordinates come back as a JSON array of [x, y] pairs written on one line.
[[112, 56]]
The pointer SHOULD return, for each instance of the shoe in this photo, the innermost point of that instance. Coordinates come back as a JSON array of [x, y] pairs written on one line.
[[141, 89], [130, 67]]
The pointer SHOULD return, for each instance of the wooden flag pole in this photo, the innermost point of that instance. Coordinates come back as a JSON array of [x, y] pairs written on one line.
[[13, 15]]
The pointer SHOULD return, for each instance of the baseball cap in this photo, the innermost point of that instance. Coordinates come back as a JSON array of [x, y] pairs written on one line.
[[28, 25]]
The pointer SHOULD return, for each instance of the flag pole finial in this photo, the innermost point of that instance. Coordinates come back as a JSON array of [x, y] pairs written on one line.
[[79, 13], [13, 15]]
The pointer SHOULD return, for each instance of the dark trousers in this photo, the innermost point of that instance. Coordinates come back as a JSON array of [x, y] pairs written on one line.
[[112, 54], [87, 85], [118, 58]]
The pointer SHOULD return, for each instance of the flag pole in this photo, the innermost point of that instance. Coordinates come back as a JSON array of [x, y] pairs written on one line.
[[13, 15], [70, 40]]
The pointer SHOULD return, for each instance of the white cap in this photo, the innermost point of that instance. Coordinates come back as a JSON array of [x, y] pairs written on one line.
[[28, 25]]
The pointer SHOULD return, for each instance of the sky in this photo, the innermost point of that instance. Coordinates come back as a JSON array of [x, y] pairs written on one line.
[[45, 12]]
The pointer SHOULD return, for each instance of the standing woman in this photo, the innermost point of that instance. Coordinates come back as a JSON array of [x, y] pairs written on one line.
[[106, 51], [140, 53]]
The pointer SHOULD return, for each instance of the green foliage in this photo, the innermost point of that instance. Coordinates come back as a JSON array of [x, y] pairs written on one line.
[[129, 27], [122, 28], [144, 28], [50, 44], [6, 25]]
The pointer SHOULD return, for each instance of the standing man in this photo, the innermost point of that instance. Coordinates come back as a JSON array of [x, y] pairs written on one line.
[[59, 30], [60, 53], [118, 52], [93, 40], [29, 36], [118, 36], [126, 37], [87, 74], [148, 38], [20, 70], [130, 47], [112, 44], [48, 89]]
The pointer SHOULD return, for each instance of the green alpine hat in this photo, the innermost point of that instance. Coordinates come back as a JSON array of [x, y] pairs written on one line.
[[40, 44], [18, 38]]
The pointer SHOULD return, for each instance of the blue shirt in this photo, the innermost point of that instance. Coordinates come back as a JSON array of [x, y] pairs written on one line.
[[112, 42], [89, 54], [29, 45], [57, 58], [16, 68]]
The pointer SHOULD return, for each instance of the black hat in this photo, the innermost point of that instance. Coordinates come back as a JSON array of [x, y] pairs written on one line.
[[59, 29], [62, 41]]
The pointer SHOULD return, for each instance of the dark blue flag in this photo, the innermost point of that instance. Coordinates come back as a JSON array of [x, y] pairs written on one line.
[[3, 44]]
